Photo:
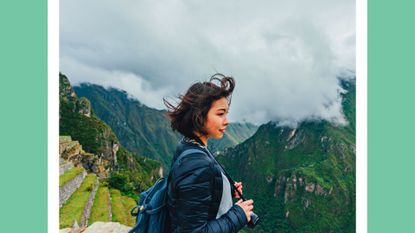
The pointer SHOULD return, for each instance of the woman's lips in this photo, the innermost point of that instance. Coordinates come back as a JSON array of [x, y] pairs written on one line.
[[222, 130]]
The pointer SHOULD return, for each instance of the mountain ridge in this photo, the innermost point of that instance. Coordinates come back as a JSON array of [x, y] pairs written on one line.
[[302, 179], [145, 130]]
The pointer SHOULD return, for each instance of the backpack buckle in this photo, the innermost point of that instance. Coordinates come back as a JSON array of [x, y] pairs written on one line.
[[137, 210]]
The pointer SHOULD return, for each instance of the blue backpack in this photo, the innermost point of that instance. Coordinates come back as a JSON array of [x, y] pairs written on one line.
[[151, 211]]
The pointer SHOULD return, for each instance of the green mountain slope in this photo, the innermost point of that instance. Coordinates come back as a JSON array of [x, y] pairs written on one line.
[[141, 129], [77, 119], [146, 131], [235, 134], [303, 179]]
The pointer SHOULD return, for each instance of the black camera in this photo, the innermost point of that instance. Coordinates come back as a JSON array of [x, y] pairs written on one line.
[[254, 217], [254, 220]]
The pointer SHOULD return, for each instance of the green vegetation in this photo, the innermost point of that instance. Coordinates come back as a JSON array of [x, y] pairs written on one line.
[[318, 152], [93, 134], [131, 174], [75, 205], [146, 131], [129, 203], [100, 208], [235, 134], [119, 212], [134, 174], [69, 175], [142, 130]]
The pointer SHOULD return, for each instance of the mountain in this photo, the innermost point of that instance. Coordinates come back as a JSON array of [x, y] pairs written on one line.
[[301, 179], [141, 129], [235, 134], [77, 119], [147, 131], [99, 180]]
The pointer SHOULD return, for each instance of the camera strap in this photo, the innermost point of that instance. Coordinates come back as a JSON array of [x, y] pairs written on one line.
[[199, 143], [227, 175]]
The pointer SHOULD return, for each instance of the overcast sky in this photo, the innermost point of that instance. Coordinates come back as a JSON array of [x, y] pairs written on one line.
[[284, 55]]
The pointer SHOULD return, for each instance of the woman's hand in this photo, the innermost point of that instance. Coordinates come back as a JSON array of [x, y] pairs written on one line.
[[238, 186], [247, 206]]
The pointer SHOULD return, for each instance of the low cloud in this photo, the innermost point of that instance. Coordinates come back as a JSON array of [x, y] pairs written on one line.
[[285, 56], [134, 85]]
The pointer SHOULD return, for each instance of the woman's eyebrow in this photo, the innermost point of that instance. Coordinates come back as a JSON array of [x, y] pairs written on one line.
[[223, 109]]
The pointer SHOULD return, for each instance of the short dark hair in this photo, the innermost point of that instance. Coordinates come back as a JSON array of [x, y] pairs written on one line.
[[191, 112]]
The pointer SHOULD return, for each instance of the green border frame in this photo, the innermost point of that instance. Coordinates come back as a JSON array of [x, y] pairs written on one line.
[[23, 124], [23, 95], [391, 115]]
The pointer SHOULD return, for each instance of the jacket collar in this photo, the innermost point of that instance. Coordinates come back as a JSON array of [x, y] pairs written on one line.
[[194, 141]]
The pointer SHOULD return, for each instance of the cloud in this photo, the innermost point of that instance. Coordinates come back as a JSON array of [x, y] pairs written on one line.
[[134, 85], [285, 56]]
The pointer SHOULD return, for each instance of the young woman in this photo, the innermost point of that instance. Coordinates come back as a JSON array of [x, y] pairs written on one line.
[[199, 194]]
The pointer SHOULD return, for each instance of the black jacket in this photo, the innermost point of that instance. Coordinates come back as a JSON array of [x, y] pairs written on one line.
[[194, 194]]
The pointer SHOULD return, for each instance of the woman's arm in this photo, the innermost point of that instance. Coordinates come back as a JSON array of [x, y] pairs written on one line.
[[194, 186]]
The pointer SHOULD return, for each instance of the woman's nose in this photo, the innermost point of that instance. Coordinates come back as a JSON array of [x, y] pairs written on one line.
[[225, 122]]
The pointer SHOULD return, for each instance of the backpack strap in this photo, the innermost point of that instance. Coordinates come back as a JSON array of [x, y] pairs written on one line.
[[231, 181], [178, 160], [216, 194], [217, 182], [183, 154]]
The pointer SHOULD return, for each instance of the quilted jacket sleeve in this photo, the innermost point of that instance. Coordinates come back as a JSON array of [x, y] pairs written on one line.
[[194, 186]]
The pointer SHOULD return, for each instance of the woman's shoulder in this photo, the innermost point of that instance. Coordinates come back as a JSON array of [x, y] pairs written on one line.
[[196, 161], [190, 155]]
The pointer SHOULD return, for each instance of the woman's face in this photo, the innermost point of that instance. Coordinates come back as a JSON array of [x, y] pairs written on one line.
[[217, 121]]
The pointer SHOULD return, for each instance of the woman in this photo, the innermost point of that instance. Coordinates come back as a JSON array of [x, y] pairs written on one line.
[[199, 194]]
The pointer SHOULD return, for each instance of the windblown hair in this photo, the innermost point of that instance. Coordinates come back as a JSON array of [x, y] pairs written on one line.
[[190, 114]]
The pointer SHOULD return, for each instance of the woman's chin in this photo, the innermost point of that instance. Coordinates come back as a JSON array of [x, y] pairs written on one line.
[[219, 136]]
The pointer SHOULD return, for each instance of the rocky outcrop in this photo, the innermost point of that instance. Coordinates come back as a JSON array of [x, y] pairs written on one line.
[[115, 148], [69, 148], [94, 164], [66, 92], [76, 118], [295, 138], [107, 227], [70, 187], [310, 187], [83, 106], [288, 187], [63, 139], [99, 227], [71, 154], [65, 230], [64, 167]]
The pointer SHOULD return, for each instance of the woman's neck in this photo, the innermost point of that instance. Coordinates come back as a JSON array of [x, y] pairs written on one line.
[[202, 138]]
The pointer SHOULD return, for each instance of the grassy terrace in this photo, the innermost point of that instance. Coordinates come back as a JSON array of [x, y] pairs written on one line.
[[129, 203], [120, 213], [99, 211], [75, 205], [69, 175]]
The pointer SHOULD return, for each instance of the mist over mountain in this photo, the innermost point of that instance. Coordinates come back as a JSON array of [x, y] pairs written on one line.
[[98, 178], [302, 179], [147, 131]]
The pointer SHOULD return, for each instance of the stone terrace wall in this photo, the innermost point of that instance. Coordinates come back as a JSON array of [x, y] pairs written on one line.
[[88, 205], [70, 187]]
